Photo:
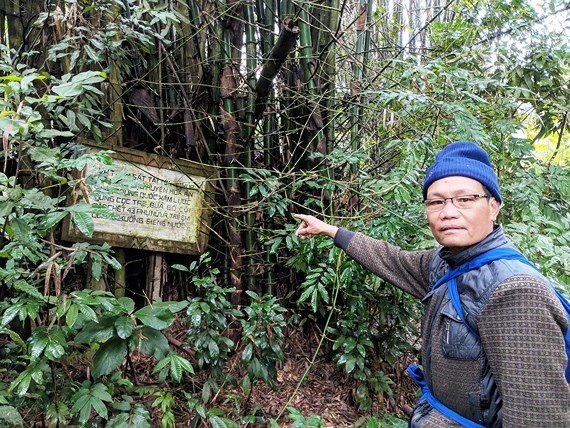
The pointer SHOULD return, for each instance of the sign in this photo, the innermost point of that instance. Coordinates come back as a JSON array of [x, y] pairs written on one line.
[[168, 210]]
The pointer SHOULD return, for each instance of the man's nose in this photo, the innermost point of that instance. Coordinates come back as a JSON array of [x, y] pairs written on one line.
[[449, 210]]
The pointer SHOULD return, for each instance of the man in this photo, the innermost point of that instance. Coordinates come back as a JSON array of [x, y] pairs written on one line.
[[509, 372]]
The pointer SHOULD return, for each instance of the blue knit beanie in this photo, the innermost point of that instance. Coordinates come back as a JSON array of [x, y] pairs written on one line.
[[465, 159]]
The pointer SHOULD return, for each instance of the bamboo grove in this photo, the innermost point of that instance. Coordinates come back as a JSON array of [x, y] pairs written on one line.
[[329, 107], [247, 86]]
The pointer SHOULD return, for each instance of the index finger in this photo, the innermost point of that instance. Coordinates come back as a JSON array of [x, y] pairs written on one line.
[[302, 217]]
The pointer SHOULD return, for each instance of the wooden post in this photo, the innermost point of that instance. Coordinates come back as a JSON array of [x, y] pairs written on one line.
[[154, 278], [120, 274]]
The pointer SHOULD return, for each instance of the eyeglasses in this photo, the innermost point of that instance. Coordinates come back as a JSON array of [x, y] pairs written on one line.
[[462, 202]]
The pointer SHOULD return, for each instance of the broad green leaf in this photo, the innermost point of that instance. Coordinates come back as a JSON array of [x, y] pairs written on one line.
[[140, 418], [97, 331], [12, 312], [57, 344], [217, 422], [38, 342], [22, 230], [124, 326], [123, 406], [53, 218], [6, 208], [172, 306], [306, 294], [70, 89], [155, 317], [175, 369], [96, 266], [99, 390], [9, 416], [247, 353], [246, 385], [350, 364], [185, 364], [22, 383], [127, 304], [213, 348], [109, 356], [52, 133], [71, 314], [32, 291], [152, 342], [83, 222], [86, 310], [180, 267], [121, 420], [16, 338], [82, 401]]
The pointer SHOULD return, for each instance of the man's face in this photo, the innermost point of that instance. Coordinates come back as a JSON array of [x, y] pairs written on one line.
[[458, 228]]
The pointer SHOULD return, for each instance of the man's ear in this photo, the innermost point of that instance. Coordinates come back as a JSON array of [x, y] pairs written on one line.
[[495, 208]]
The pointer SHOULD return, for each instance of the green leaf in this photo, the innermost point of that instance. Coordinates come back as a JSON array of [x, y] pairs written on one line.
[[38, 342], [32, 291], [22, 383], [155, 317], [16, 338], [83, 401], [213, 348], [83, 222], [97, 331], [175, 369], [109, 356], [124, 326], [350, 364], [127, 304], [180, 267], [99, 390], [307, 293], [247, 353], [152, 342], [53, 218], [22, 230], [96, 266], [57, 344], [52, 133], [6, 208], [185, 364], [72, 314], [246, 385], [9, 416]]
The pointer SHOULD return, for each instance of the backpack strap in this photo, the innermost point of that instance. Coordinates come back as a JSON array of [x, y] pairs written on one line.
[[486, 258], [482, 260], [456, 302], [418, 376]]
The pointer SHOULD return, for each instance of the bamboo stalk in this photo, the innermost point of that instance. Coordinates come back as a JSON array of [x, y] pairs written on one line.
[[356, 83], [250, 236], [313, 129], [231, 131]]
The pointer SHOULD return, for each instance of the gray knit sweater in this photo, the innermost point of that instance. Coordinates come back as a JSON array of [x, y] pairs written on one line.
[[521, 329]]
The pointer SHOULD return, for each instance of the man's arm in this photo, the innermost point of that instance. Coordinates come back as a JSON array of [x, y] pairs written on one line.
[[521, 330], [408, 270]]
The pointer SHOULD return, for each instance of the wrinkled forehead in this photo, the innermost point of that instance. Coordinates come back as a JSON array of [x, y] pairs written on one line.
[[454, 185]]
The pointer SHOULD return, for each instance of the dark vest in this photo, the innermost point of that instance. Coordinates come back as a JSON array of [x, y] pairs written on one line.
[[475, 288]]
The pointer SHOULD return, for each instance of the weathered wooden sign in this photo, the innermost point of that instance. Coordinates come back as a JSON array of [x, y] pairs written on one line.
[[167, 211]]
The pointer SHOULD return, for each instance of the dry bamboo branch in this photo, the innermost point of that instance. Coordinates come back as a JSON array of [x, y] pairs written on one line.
[[277, 56]]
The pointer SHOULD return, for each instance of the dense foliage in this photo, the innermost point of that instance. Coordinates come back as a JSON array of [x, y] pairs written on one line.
[[490, 73]]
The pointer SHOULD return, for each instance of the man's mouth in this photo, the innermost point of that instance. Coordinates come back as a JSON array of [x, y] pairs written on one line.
[[450, 228]]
